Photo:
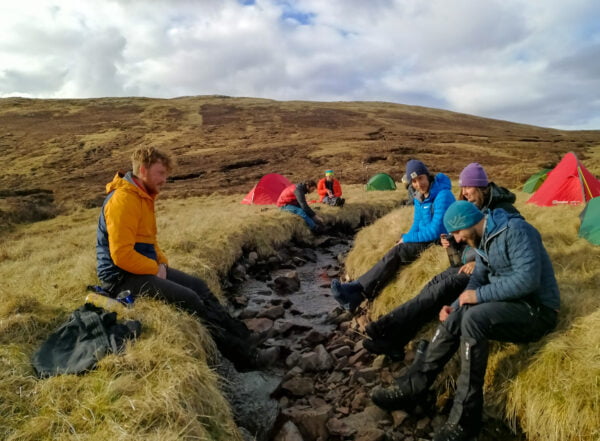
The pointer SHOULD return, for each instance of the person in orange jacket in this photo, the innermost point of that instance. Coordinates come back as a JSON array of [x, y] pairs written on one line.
[[129, 258], [293, 199], [330, 190]]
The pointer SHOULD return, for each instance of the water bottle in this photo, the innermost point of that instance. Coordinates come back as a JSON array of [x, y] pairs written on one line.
[[453, 254], [105, 302], [126, 298]]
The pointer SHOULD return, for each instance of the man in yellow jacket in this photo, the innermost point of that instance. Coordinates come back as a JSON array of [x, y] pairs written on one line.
[[129, 257]]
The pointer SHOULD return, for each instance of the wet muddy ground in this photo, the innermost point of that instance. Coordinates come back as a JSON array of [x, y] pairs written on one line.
[[326, 375]]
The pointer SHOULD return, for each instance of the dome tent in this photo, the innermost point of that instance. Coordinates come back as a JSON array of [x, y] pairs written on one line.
[[379, 182], [590, 221], [568, 183], [535, 180], [267, 190]]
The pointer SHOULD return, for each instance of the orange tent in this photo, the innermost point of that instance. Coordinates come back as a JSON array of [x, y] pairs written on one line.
[[568, 183], [267, 190]]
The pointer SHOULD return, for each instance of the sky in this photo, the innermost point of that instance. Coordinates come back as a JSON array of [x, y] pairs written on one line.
[[529, 61]]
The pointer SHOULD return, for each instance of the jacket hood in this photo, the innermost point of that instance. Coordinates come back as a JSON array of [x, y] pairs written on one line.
[[500, 194], [126, 182], [440, 182], [497, 220]]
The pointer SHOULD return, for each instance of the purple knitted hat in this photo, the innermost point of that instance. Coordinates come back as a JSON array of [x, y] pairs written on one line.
[[473, 175]]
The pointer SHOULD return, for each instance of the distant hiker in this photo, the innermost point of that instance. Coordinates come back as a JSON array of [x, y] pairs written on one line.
[[390, 333], [293, 199], [330, 190], [512, 296], [409, 188], [129, 258], [433, 196]]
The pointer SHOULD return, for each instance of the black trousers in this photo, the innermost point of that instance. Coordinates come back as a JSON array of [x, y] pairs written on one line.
[[190, 293], [469, 329], [383, 271], [400, 325]]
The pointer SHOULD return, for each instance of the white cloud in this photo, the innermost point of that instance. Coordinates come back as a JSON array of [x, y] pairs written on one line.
[[531, 62]]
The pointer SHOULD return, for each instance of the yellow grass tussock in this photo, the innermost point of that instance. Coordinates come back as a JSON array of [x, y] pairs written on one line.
[[551, 388], [161, 387]]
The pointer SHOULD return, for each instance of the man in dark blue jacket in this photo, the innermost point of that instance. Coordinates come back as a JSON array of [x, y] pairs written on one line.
[[512, 296], [433, 195]]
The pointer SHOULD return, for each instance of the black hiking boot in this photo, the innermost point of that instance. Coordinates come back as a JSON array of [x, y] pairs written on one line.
[[378, 346], [349, 295], [454, 432]]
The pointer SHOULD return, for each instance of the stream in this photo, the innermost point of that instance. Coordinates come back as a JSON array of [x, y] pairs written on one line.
[[319, 389]]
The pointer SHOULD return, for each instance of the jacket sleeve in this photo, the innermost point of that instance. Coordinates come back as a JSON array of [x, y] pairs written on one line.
[[162, 258], [321, 189], [122, 214], [430, 231], [301, 198], [337, 188], [522, 251]]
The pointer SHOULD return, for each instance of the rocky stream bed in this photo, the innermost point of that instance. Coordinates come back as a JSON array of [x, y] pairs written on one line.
[[319, 389]]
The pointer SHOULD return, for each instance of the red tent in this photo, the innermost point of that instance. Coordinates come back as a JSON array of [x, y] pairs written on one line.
[[568, 183], [267, 190]]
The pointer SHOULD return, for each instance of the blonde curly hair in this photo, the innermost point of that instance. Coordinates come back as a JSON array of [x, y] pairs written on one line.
[[147, 156]]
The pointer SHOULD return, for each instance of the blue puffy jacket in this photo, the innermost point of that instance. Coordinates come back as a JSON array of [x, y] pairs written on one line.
[[429, 213], [512, 263]]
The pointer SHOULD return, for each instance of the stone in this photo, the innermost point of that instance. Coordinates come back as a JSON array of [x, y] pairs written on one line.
[[309, 361], [340, 352], [369, 374], [247, 313], [358, 401], [340, 428], [370, 435], [249, 394], [324, 360], [261, 326], [398, 417], [281, 327], [293, 372], [287, 284], [311, 422], [273, 312], [315, 337], [252, 257], [299, 386], [359, 357], [289, 432]]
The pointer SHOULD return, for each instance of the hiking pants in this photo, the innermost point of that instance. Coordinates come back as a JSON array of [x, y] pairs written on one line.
[[469, 329], [190, 293], [383, 271], [300, 212], [400, 325]]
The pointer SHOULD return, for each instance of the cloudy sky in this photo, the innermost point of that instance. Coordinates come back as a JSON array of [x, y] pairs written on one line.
[[530, 61]]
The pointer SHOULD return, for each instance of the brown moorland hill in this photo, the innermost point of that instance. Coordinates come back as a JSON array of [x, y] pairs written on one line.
[[59, 154]]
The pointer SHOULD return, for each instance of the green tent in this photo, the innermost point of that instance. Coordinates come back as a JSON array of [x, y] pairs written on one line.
[[590, 221], [534, 182], [381, 181]]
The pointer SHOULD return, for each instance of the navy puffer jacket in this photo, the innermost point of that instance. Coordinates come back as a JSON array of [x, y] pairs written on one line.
[[512, 263]]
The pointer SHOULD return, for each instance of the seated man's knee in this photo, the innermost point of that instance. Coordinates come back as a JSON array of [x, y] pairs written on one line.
[[474, 322]]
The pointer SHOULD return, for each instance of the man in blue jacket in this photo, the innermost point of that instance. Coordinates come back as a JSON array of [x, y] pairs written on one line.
[[512, 296], [433, 195]]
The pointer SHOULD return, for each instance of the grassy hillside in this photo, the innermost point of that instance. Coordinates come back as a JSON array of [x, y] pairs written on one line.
[[59, 154], [71, 148]]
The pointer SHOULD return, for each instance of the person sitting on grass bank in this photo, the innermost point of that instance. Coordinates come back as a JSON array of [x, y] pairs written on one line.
[[433, 196], [390, 333], [129, 258], [293, 199], [512, 296], [330, 190]]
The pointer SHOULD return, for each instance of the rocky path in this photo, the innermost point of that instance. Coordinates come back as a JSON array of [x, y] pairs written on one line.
[[320, 388]]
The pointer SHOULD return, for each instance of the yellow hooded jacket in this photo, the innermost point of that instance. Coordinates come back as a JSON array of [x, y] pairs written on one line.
[[126, 235]]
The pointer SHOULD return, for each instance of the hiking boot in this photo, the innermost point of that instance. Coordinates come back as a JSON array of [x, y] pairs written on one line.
[[349, 295], [377, 346], [453, 432], [393, 398], [265, 357]]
